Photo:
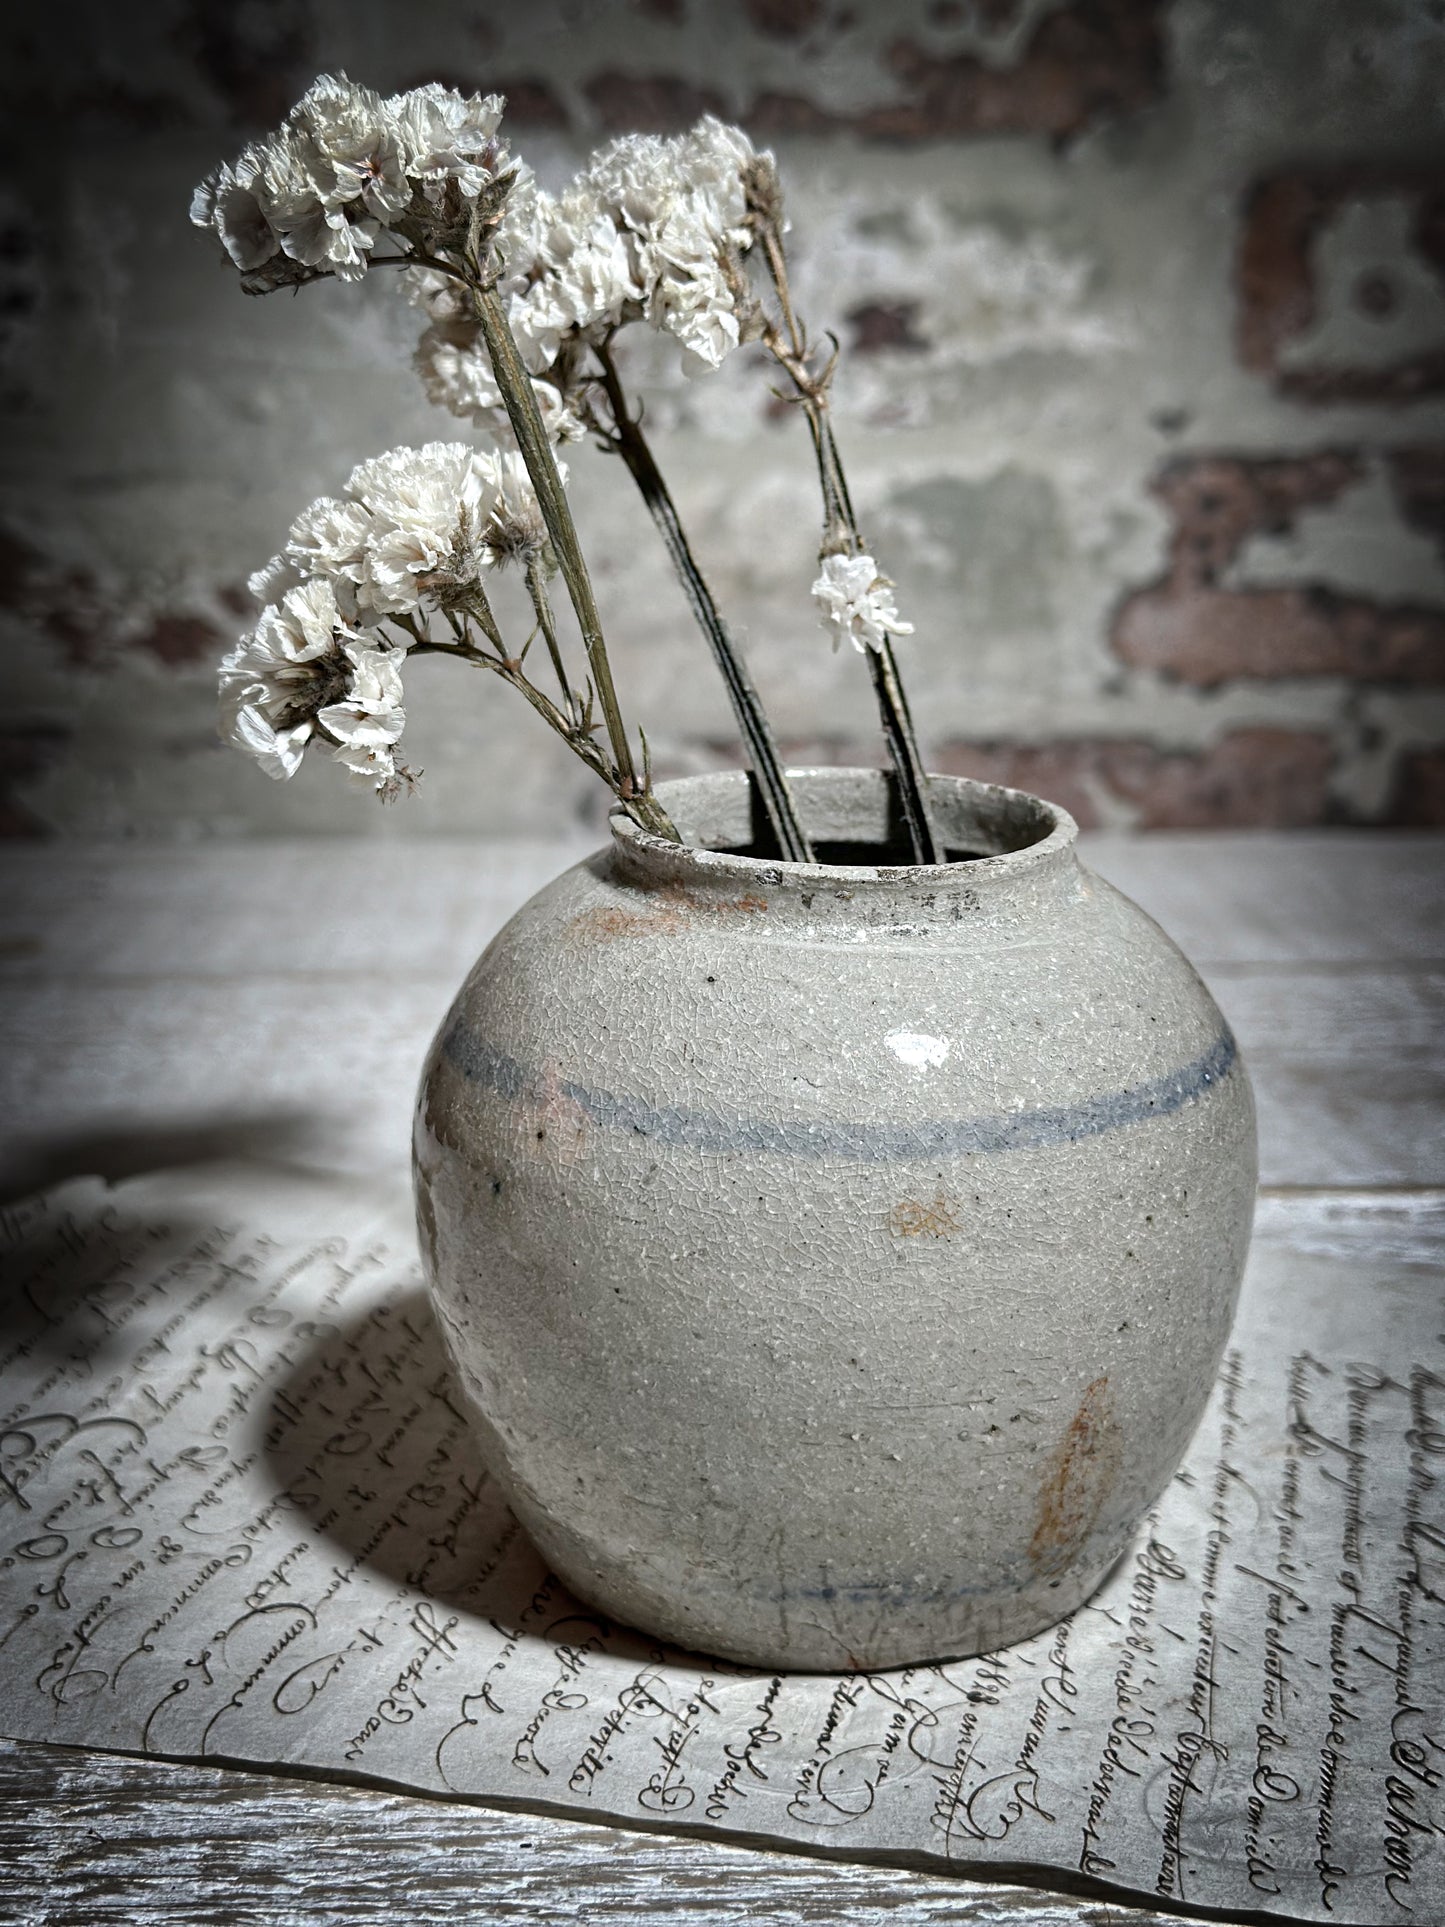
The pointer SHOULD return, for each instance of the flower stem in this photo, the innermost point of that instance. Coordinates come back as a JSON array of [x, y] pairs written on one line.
[[768, 772], [526, 419], [578, 739], [537, 589], [841, 536]]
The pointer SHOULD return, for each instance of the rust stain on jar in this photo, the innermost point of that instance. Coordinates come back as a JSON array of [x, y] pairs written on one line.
[[667, 914], [912, 1218], [1082, 1470]]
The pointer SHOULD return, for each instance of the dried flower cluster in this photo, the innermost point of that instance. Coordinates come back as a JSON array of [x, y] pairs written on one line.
[[312, 198], [651, 230], [417, 531], [524, 292], [855, 602]]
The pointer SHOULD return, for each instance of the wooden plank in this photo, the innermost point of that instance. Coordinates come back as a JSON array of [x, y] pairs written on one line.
[[337, 905], [430, 904], [112, 1842], [1270, 898]]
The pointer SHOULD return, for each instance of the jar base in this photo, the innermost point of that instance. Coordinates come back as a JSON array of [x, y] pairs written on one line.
[[820, 1629]]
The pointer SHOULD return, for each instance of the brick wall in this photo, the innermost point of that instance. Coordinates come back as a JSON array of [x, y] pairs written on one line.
[[1143, 304]]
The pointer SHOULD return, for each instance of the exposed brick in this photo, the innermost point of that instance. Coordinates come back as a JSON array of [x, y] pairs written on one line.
[[62, 602], [178, 639], [1417, 801], [1417, 477], [650, 103], [783, 19], [1247, 779], [24, 755], [1063, 772], [1084, 64], [879, 325], [1277, 297], [1273, 279], [1188, 627], [776, 113], [1208, 638], [1400, 382], [1219, 501], [530, 103], [69, 607]]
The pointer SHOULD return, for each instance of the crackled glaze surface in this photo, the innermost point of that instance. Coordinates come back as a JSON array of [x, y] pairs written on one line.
[[837, 1258]]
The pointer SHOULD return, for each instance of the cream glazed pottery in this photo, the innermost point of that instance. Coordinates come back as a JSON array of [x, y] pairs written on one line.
[[837, 1257]]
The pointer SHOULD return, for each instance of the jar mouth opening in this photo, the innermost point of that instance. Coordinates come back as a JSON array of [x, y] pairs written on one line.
[[849, 815]]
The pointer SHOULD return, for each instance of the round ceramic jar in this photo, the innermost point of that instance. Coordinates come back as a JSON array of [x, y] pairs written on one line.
[[837, 1257]]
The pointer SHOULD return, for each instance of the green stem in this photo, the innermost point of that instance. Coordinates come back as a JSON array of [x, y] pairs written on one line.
[[537, 589], [767, 764], [526, 419], [576, 740]]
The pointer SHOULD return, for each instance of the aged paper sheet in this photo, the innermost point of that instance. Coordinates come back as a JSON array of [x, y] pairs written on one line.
[[241, 1519]]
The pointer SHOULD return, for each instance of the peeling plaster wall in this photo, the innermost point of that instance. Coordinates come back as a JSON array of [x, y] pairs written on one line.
[[1143, 400]]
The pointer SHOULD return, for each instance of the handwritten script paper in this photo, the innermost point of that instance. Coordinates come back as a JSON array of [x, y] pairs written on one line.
[[241, 1520]]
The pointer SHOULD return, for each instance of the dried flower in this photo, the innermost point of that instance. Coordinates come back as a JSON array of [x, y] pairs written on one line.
[[523, 292], [310, 199], [856, 602], [438, 518], [651, 230], [446, 136], [417, 530], [303, 674]]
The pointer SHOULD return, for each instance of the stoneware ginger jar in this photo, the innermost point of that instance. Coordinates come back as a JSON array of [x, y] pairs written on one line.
[[838, 1257]]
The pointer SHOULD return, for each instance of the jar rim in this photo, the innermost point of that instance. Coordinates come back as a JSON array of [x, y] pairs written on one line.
[[1016, 830]]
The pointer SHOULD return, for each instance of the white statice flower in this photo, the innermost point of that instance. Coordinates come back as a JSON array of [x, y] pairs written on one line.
[[228, 201], [690, 296], [515, 530], [427, 508], [456, 373], [346, 165], [367, 723], [455, 370], [357, 146], [302, 676], [415, 526], [414, 532], [274, 680], [427, 488], [271, 583], [441, 516], [329, 538], [855, 602], [653, 229], [446, 136]]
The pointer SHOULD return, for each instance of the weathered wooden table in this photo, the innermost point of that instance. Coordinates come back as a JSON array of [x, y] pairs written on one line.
[[167, 1005]]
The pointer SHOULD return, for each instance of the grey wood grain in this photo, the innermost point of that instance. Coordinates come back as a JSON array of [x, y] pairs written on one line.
[[428, 905], [89, 1839]]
